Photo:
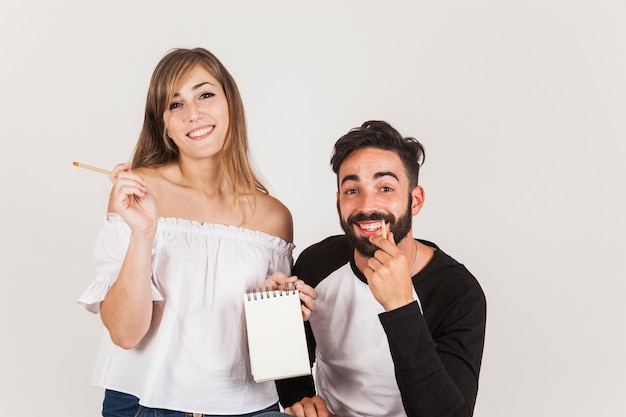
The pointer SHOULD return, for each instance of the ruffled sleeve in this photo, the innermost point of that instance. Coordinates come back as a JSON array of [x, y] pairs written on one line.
[[282, 259], [109, 252]]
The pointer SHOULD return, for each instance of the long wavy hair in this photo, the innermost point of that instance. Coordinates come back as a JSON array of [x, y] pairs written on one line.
[[154, 147]]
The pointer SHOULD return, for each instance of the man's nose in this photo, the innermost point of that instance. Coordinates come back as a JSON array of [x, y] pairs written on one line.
[[369, 201]]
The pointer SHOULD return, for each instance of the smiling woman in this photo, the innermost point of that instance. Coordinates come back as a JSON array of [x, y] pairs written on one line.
[[170, 275], [197, 118]]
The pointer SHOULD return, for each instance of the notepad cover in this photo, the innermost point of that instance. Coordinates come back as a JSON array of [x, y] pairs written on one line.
[[276, 338]]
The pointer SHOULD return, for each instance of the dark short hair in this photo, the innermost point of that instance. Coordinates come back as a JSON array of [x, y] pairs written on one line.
[[381, 135]]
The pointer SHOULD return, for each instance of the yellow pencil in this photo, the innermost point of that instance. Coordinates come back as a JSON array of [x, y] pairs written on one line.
[[103, 171]]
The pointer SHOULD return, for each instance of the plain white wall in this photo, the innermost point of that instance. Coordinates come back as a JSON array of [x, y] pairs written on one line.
[[521, 106]]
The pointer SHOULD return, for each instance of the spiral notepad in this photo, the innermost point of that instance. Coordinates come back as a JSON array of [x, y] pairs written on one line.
[[276, 338]]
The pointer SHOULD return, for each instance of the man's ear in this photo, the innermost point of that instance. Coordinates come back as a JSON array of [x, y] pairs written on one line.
[[418, 200]]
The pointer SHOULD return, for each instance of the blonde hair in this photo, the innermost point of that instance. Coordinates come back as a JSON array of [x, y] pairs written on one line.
[[154, 147]]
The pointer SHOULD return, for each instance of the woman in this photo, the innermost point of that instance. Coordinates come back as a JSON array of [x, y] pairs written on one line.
[[189, 229]]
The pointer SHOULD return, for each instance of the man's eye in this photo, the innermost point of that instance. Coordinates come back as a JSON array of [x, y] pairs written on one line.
[[350, 192], [174, 106], [386, 189]]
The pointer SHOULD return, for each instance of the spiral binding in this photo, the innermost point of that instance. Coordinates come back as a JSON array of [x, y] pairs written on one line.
[[262, 293]]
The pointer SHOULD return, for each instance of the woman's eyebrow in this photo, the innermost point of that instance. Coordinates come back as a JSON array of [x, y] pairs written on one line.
[[195, 87]]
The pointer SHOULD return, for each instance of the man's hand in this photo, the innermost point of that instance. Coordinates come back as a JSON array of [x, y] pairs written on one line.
[[388, 274], [310, 407]]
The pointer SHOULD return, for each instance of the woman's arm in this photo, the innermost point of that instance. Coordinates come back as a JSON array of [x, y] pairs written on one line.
[[126, 310]]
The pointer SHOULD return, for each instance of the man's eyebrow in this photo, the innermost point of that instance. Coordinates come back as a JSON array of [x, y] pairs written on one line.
[[354, 177], [385, 174], [351, 177]]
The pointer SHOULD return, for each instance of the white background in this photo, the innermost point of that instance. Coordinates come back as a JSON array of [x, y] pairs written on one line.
[[520, 104]]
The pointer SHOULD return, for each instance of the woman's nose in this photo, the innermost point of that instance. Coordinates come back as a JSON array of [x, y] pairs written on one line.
[[193, 112]]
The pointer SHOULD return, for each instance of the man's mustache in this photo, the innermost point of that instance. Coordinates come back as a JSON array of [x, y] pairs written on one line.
[[363, 217]]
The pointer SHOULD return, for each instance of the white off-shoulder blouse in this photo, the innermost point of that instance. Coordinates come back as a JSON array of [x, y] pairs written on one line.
[[195, 355]]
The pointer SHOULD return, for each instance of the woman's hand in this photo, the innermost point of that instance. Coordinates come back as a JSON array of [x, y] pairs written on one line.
[[132, 200], [308, 295]]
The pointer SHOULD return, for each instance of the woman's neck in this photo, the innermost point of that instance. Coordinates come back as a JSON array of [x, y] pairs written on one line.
[[203, 175]]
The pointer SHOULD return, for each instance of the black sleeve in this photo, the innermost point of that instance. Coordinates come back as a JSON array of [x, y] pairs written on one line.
[[313, 265], [438, 374], [294, 389]]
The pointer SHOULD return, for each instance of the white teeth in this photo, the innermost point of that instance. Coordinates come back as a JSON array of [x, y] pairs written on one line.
[[200, 132], [371, 226]]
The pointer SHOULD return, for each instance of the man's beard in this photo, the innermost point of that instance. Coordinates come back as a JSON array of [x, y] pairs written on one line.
[[400, 228]]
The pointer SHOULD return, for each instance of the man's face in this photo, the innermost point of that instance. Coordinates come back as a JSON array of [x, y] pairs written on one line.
[[373, 187]]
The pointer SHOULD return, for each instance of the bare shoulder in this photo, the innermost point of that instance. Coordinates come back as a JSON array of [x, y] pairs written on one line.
[[151, 175], [156, 179], [271, 216]]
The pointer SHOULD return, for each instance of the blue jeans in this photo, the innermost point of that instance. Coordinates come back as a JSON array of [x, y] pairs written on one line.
[[119, 404]]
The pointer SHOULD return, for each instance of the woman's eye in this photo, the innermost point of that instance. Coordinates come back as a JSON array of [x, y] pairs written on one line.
[[174, 106], [207, 95]]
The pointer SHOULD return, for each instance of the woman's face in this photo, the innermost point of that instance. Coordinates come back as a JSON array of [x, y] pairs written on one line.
[[197, 117]]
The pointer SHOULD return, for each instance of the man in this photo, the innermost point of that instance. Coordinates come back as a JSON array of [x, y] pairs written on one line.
[[399, 326]]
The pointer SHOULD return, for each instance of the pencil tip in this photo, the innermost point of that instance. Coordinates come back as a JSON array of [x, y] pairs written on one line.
[[75, 164]]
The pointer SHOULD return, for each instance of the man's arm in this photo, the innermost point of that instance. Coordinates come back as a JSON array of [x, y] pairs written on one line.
[[436, 358], [438, 374], [293, 390], [312, 271]]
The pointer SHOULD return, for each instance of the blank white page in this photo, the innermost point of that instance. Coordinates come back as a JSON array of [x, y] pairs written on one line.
[[276, 338]]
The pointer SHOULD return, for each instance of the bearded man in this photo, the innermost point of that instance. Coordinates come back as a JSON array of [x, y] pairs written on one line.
[[399, 327]]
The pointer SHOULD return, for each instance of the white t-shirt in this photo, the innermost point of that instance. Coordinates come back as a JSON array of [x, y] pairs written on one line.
[[195, 355]]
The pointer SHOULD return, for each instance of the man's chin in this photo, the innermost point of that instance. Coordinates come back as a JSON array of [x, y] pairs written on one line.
[[365, 248], [368, 254], [361, 244]]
